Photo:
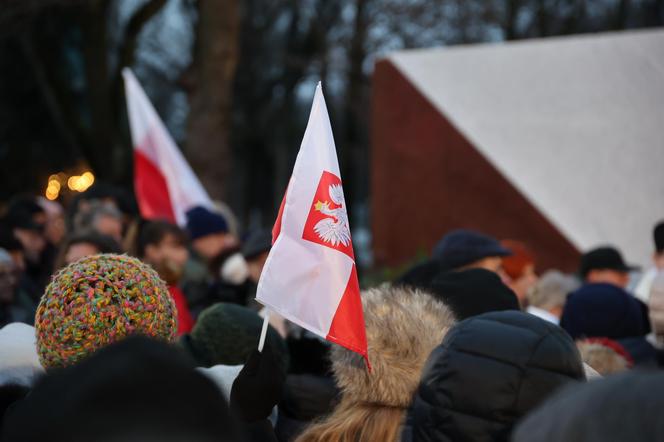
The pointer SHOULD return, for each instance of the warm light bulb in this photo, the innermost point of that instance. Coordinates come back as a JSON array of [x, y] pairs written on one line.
[[51, 193], [54, 184], [86, 181], [72, 182]]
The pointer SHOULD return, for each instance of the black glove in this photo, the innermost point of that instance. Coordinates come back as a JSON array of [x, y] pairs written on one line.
[[257, 389]]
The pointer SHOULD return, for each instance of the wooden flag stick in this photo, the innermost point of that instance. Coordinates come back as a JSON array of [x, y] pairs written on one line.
[[266, 321]]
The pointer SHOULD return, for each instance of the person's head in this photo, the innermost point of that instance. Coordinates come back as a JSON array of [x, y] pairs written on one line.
[[624, 407], [464, 249], [101, 217], [82, 244], [99, 300], [226, 334], [164, 246], [135, 390], [603, 310], [208, 232], [605, 265], [29, 233], [402, 326], [473, 292], [99, 193], [604, 355], [107, 194], [8, 277], [551, 290], [54, 228], [28, 204], [255, 250], [13, 246], [520, 267], [658, 236], [490, 371], [492, 263]]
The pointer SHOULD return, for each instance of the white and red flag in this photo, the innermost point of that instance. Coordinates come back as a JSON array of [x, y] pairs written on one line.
[[310, 276], [165, 185]]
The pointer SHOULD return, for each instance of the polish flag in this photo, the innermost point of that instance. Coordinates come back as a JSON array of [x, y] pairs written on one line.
[[310, 276], [165, 185]]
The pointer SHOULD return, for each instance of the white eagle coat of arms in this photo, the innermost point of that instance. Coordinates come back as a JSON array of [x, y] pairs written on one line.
[[333, 229]]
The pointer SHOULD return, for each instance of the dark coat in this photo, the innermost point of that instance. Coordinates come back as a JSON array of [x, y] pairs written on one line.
[[624, 407], [489, 371], [306, 397], [420, 275], [472, 292], [603, 310], [607, 311], [467, 292]]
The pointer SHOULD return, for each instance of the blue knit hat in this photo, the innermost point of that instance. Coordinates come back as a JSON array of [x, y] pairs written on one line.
[[202, 222], [462, 247]]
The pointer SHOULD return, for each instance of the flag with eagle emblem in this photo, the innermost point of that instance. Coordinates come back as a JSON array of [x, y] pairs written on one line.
[[310, 276]]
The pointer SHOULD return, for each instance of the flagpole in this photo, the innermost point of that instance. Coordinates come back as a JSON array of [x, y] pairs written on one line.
[[266, 321]]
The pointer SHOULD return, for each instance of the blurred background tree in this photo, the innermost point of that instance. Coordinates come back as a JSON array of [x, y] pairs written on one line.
[[233, 79]]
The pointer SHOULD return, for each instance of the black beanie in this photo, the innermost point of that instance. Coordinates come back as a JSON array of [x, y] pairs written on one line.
[[473, 292]]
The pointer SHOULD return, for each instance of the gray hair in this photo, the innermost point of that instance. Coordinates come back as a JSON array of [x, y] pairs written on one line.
[[552, 289], [86, 219]]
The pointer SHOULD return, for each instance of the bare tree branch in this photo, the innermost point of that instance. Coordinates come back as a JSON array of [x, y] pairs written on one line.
[[142, 16], [47, 92]]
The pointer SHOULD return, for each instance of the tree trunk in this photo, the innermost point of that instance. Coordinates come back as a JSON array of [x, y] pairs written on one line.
[[215, 57], [353, 155], [49, 95], [99, 146], [511, 13], [622, 14]]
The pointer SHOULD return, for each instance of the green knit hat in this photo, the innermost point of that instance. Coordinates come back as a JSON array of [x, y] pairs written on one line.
[[227, 333], [99, 300]]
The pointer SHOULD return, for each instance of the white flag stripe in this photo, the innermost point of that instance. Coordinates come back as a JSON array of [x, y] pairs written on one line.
[[150, 137], [314, 156], [304, 299]]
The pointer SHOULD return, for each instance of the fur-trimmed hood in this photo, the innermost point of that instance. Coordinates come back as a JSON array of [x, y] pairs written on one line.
[[403, 326]]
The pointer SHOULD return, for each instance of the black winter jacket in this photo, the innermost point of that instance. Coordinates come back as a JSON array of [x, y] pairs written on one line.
[[625, 407], [490, 371]]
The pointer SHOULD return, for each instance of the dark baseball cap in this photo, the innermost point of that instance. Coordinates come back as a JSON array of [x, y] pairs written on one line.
[[462, 247], [604, 258]]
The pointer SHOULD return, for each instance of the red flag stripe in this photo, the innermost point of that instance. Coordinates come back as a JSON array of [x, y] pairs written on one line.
[[276, 230], [347, 328], [151, 189]]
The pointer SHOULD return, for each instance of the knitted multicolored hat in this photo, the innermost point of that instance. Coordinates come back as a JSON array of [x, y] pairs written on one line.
[[99, 300]]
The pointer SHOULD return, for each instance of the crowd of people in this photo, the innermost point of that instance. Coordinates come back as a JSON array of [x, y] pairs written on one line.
[[117, 328]]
